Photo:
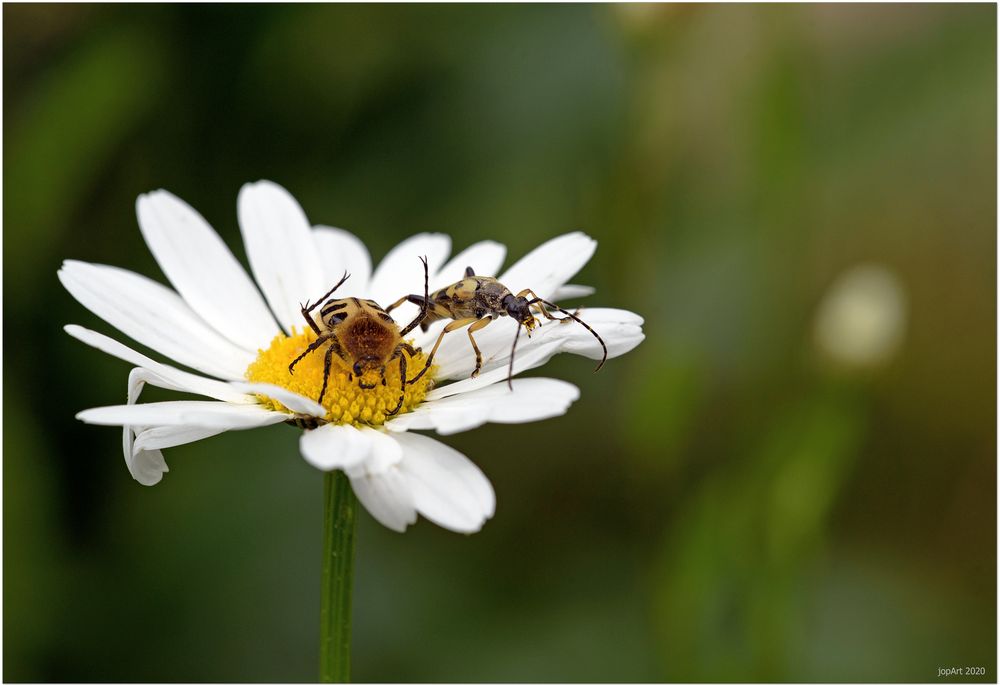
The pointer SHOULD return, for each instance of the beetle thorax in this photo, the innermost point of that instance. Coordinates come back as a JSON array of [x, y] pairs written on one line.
[[490, 296], [364, 336]]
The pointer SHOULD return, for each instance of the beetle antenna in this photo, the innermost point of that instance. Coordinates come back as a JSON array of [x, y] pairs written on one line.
[[307, 308], [422, 314], [510, 369], [582, 323]]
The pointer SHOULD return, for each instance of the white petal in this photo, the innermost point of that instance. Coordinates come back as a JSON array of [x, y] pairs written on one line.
[[387, 498], [342, 251], [281, 249], [203, 270], [142, 451], [446, 487], [571, 292], [497, 372], [532, 399], [550, 265], [162, 437], [153, 315], [171, 378], [146, 466], [370, 458], [456, 358], [401, 272], [620, 329], [184, 412], [484, 257], [165, 376], [335, 447], [385, 455], [300, 404]]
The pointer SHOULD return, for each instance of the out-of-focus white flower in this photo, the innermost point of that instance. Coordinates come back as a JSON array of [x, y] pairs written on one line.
[[861, 320], [217, 323]]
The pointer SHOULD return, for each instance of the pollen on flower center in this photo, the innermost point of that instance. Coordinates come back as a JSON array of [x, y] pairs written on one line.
[[345, 400]]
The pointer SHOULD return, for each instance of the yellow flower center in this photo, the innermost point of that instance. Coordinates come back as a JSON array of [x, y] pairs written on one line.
[[345, 400]]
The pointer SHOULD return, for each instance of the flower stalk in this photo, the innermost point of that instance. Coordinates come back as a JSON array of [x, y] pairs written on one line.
[[340, 520]]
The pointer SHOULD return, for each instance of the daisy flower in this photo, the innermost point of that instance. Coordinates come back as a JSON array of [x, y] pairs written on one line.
[[238, 345]]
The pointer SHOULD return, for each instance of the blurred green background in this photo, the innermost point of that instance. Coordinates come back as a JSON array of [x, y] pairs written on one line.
[[733, 500]]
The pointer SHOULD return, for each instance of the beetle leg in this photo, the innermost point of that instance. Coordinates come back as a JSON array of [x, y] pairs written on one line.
[[479, 325], [453, 326], [537, 302], [315, 344], [400, 301], [402, 379], [561, 319], [326, 371]]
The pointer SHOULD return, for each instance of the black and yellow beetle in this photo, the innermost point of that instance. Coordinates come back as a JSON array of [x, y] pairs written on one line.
[[475, 301], [362, 334]]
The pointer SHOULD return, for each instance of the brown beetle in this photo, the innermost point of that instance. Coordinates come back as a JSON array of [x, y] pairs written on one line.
[[362, 334]]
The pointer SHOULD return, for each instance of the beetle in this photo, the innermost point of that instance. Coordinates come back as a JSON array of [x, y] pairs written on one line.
[[361, 333], [475, 301]]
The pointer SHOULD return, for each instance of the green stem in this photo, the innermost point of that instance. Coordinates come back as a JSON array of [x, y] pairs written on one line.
[[340, 518]]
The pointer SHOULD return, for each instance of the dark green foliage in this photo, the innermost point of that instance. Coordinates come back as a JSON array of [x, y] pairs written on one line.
[[720, 504]]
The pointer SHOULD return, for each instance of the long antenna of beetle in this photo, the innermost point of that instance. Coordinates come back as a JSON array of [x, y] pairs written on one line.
[[510, 369], [422, 314], [579, 321]]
